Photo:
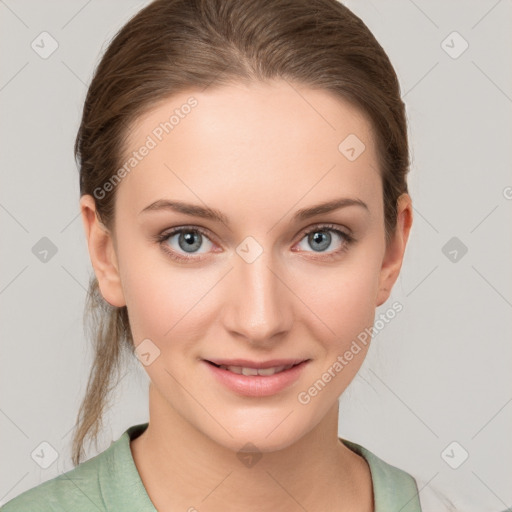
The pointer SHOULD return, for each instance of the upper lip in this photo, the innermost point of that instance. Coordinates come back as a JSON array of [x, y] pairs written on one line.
[[246, 363]]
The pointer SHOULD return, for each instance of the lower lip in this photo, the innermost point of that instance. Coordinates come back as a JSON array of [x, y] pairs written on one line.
[[257, 385]]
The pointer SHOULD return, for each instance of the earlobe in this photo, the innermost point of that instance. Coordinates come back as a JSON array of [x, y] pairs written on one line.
[[395, 250], [102, 253]]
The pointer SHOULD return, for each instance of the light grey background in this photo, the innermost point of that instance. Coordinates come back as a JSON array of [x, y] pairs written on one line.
[[438, 373]]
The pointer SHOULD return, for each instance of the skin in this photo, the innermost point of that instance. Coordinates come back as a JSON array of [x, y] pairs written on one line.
[[258, 153]]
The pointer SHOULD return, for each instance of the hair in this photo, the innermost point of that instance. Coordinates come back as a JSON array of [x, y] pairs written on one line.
[[171, 46]]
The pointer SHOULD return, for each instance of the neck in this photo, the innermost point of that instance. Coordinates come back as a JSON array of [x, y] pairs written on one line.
[[181, 468]]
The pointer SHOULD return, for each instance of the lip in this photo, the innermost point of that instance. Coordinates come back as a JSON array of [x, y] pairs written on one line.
[[255, 364], [257, 385]]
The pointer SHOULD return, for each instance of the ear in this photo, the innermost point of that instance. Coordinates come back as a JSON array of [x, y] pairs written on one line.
[[102, 253], [393, 257]]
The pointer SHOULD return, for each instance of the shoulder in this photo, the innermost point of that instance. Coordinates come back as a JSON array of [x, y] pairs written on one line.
[[80, 489], [77, 490], [393, 488], [108, 481]]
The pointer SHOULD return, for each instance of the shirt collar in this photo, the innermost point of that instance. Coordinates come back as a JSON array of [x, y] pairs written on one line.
[[122, 487]]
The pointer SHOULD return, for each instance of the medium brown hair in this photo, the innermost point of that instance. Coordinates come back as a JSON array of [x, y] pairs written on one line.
[[172, 46]]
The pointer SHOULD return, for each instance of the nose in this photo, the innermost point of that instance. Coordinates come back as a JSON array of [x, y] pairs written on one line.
[[258, 305]]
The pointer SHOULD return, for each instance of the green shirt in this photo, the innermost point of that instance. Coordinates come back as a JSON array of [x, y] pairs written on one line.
[[110, 482]]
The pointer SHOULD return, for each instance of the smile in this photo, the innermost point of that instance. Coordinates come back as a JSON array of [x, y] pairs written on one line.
[[257, 382], [243, 370]]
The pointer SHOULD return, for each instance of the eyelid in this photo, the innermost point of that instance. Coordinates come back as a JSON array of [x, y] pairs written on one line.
[[206, 232], [186, 227], [327, 226]]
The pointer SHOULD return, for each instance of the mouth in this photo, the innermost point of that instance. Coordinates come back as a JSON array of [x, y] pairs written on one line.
[[251, 378], [248, 370]]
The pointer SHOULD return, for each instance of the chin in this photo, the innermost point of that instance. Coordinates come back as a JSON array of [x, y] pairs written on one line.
[[261, 436]]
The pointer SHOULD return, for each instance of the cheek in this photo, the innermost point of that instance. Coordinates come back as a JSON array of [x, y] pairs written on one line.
[[343, 297], [158, 303], [155, 293], [165, 303]]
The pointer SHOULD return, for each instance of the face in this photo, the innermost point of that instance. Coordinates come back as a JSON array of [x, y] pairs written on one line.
[[264, 284]]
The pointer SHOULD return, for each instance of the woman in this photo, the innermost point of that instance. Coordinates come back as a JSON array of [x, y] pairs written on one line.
[[243, 192]]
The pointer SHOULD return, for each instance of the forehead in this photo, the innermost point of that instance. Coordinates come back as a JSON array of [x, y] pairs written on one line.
[[252, 145]]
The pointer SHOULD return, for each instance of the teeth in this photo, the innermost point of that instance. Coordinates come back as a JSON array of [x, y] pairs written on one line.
[[268, 371], [240, 370], [249, 371]]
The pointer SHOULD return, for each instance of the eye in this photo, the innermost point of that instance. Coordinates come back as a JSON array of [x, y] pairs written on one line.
[[186, 239], [183, 243], [320, 239]]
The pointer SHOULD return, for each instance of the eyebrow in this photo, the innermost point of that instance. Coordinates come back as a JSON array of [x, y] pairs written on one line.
[[216, 215]]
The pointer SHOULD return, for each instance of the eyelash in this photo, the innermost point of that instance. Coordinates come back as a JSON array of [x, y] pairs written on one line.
[[348, 239]]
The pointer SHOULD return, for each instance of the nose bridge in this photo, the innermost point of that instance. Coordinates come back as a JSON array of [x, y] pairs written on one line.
[[260, 298]]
